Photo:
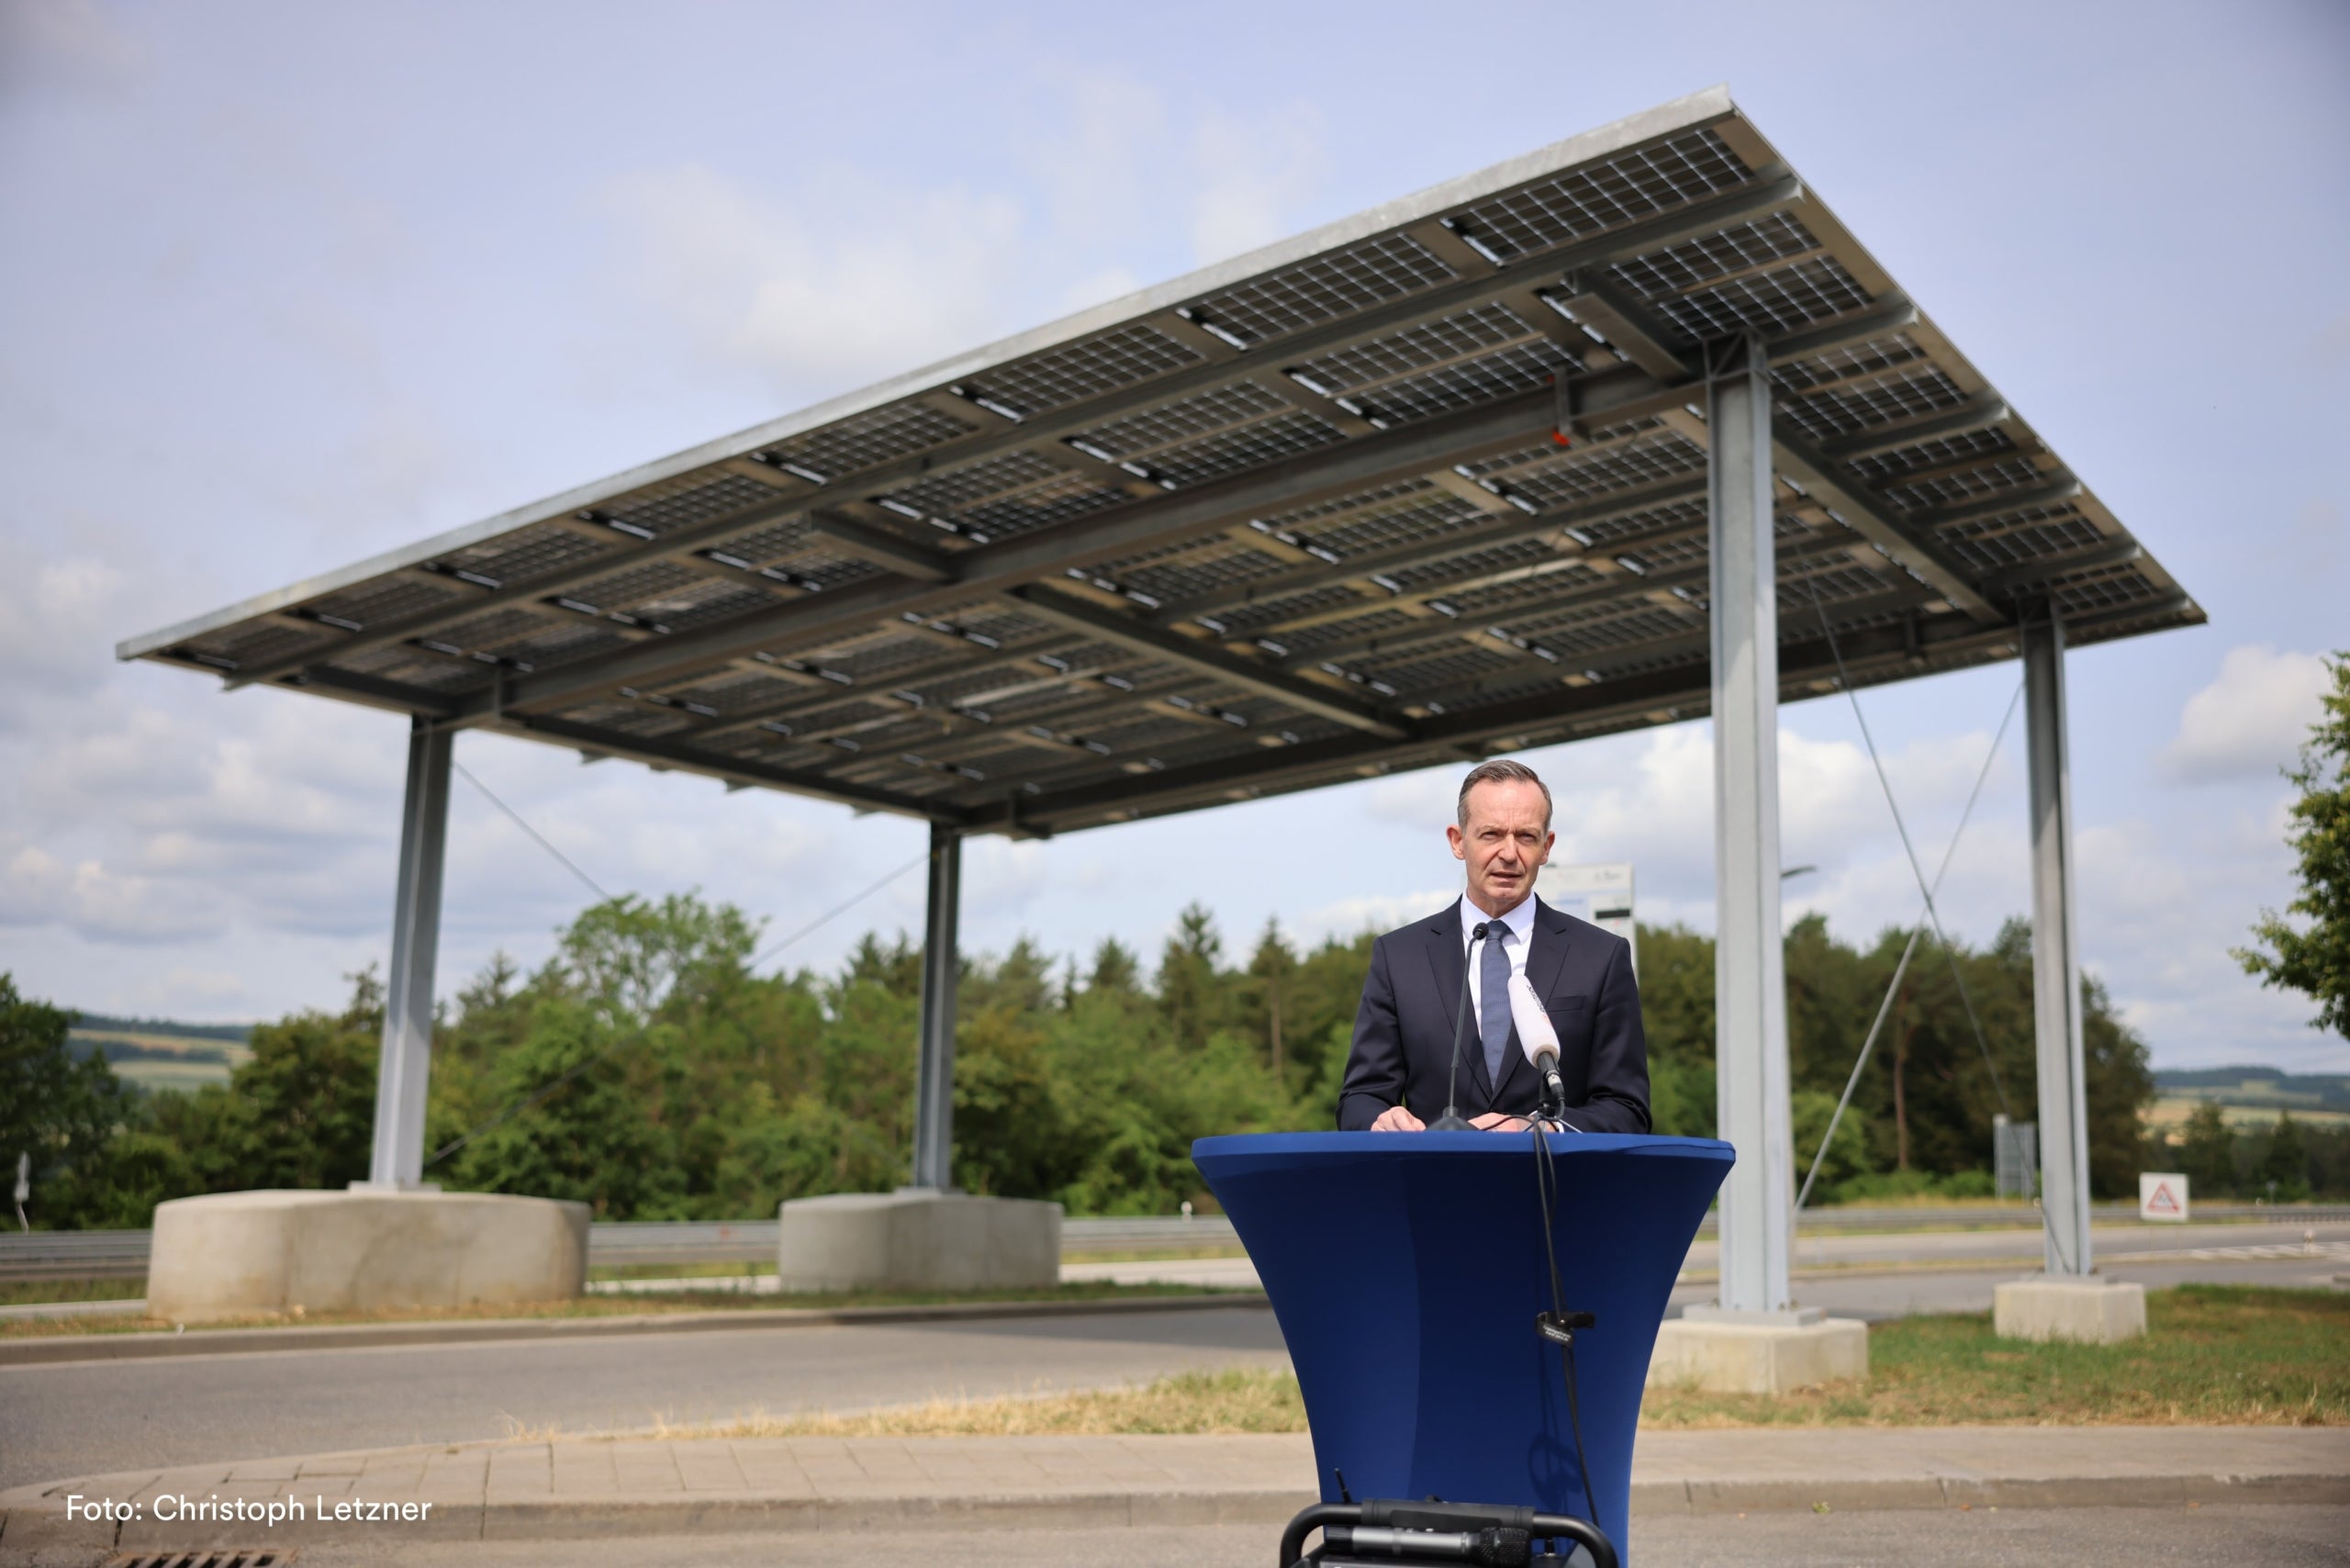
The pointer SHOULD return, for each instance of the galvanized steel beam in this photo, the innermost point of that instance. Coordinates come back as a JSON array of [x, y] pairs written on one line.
[[396, 1157], [2058, 1046], [1750, 965]]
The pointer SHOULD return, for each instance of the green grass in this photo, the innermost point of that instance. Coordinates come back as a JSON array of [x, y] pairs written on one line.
[[35, 1293], [1156, 1254], [737, 1269], [615, 1307], [2235, 1355]]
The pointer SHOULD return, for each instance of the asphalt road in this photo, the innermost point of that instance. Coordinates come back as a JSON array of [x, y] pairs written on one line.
[[93, 1417], [1876, 1295], [2244, 1537], [1876, 1277], [82, 1418]]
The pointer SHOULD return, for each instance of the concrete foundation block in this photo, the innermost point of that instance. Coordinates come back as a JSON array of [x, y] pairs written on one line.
[[251, 1254], [918, 1240], [2089, 1311], [1768, 1353]]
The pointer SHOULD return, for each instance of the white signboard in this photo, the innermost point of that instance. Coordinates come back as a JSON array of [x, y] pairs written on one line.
[[2162, 1196], [1601, 894]]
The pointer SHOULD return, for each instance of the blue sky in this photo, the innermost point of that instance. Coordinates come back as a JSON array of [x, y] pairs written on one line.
[[287, 285]]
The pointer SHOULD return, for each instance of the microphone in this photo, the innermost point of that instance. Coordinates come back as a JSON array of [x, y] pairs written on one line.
[[1537, 1039], [1453, 1121]]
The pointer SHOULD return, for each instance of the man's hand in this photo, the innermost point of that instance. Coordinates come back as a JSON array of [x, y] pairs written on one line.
[[1496, 1121], [1398, 1119]]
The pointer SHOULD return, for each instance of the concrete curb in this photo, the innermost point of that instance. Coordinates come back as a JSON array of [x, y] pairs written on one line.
[[1655, 1498], [55, 1349], [32, 1523]]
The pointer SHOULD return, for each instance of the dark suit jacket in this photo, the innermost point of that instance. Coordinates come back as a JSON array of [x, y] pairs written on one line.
[[1404, 1030]]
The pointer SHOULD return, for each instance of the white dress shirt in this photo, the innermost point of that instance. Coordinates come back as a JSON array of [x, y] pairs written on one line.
[[1518, 922]]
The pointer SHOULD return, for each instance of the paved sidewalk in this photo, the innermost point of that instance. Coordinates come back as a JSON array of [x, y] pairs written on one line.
[[587, 1488]]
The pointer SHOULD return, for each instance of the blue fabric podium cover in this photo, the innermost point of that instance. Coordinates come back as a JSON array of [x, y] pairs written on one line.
[[1407, 1269]]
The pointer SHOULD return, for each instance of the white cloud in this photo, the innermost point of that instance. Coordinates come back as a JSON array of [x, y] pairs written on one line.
[[69, 42], [2159, 910], [1347, 918], [1099, 153], [1252, 173], [50, 632], [843, 283], [37, 889], [2252, 719], [1648, 798]]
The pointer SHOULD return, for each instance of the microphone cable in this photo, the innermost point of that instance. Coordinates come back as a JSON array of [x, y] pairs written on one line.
[[1559, 1324]]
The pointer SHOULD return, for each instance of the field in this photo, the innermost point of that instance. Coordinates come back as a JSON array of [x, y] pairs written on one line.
[[2169, 1112], [154, 1060]]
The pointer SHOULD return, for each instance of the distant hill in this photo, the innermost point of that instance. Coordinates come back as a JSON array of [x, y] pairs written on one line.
[[100, 1022], [2256, 1088], [156, 1053]]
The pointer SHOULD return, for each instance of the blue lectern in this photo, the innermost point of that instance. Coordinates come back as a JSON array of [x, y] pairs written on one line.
[[1407, 1269]]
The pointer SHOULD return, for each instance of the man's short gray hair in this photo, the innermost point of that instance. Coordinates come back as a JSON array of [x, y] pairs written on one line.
[[1501, 770]]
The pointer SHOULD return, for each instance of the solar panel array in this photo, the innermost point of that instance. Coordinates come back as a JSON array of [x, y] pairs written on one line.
[[1421, 487]]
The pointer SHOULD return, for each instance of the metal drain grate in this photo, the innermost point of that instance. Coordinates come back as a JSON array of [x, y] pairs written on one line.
[[246, 1557]]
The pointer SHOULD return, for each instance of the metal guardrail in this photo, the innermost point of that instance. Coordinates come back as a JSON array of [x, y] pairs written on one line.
[[1146, 1231], [74, 1255], [122, 1254], [636, 1242]]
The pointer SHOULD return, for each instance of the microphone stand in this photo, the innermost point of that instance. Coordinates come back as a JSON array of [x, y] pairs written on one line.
[[1451, 1121]]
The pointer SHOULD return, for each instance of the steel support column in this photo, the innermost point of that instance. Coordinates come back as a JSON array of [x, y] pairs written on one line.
[[397, 1161], [935, 1077], [2056, 956], [1749, 962]]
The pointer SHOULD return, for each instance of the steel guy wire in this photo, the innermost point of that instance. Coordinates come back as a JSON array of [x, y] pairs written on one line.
[[1918, 931], [536, 836], [1965, 999]]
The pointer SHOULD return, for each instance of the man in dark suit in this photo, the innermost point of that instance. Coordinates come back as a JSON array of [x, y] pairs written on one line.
[[1396, 1073]]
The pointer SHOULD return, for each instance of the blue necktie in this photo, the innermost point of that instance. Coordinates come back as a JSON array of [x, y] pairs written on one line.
[[1493, 996]]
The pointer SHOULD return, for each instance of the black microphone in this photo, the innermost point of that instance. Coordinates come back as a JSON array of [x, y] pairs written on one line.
[[1450, 1122]]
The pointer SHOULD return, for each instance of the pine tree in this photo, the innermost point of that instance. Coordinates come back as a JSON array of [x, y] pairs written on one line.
[[2206, 1152], [1189, 994], [2285, 1168], [1117, 971], [1270, 970]]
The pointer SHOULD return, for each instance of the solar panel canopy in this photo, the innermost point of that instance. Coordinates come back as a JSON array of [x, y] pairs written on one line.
[[1423, 486]]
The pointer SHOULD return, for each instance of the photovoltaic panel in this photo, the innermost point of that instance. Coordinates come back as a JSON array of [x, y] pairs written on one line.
[[1426, 484]]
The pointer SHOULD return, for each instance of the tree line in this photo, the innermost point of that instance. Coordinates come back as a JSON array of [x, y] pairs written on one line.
[[644, 1070], [2285, 1161]]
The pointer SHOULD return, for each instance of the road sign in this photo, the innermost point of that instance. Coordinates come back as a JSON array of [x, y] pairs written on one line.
[[1601, 894], [2162, 1196]]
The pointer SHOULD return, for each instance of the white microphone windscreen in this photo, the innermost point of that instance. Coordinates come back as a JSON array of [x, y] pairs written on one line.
[[1535, 1035]]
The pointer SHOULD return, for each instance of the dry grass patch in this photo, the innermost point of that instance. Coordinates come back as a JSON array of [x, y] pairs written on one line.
[[1236, 1400]]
